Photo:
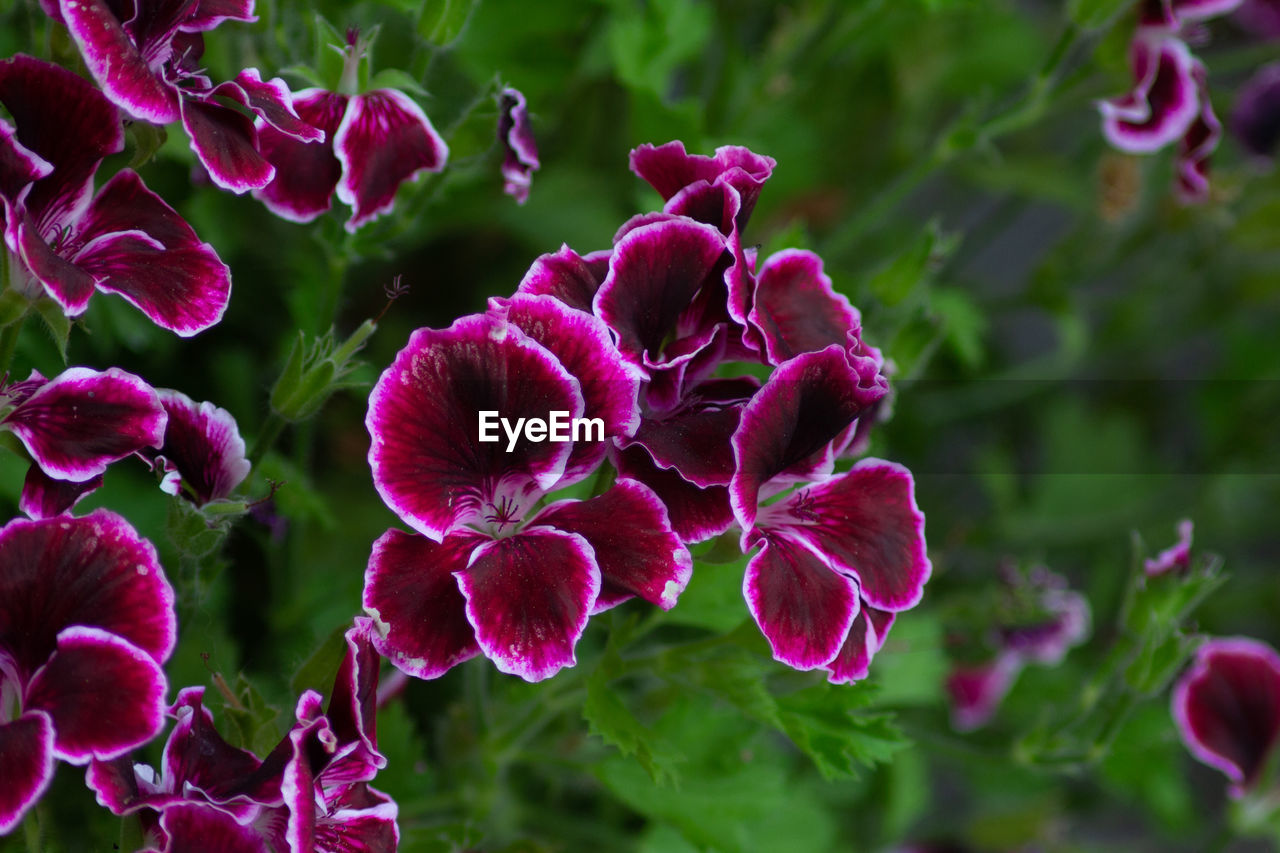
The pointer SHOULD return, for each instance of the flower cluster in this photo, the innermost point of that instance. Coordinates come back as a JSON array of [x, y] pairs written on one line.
[[643, 338], [1169, 101], [308, 795]]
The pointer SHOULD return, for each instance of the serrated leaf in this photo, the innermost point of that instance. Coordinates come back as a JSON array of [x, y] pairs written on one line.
[[194, 534], [964, 324], [829, 725], [146, 139], [610, 720], [250, 721], [57, 323], [441, 22], [898, 279]]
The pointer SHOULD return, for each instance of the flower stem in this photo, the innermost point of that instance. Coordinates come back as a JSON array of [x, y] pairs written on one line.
[[31, 832], [266, 438], [9, 342]]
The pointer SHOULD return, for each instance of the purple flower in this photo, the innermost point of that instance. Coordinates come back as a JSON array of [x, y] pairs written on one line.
[[202, 457], [1177, 557], [1164, 101], [520, 149], [70, 240], [976, 691], [1173, 15], [1227, 708], [144, 57], [74, 425], [1255, 120], [1260, 17], [86, 619], [490, 572]]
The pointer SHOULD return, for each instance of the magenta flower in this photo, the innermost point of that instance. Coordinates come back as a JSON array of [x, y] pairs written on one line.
[[1164, 101], [520, 149], [74, 425], [1227, 708], [202, 457], [1177, 557], [1173, 15], [1255, 120], [86, 619], [976, 691], [69, 240], [144, 56], [371, 143], [490, 572], [1260, 17]]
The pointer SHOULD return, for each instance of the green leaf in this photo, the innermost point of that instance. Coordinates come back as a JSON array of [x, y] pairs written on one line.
[[1096, 14], [193, 533], [830, 724], [898, 279], [964, 324], [250, 722], [394, 78], [146, 139], [57, 323], [441, 22], [648, 42], [610, 720], [317, 672]]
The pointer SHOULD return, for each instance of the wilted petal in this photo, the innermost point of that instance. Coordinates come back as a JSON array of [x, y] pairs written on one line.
[[194, 827], [669, 169], [1164, 102], [1255, 120], [428, 462], [307, 173], [1175, 558], [635, 547], [1227, 707], [795, 307], [1197, 145], [418, 611], [867, 523], [866, 637], [520, 158], [568, 276], [977, 691], [204, 443], [88, 571], [384, 140], [696, 513], [271, 101], [209, 13], [115, 62], [26, 765], [803, 606], [226, 143], [529, 596], [104, 694], [654, 273], [82, 420], [790, 424], [45, 497]]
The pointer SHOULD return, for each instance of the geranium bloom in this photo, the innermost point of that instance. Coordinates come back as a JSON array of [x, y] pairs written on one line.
[[143, 54], [86, 619], [520, 149], [1227, 708], [372, 143], [70, 240], [1175, 558], [73, 426], [202, 457], [309, 795], [490, 573]]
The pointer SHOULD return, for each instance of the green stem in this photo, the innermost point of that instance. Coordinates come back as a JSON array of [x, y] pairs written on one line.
[[266, 438], [9, 342], [31, 831]]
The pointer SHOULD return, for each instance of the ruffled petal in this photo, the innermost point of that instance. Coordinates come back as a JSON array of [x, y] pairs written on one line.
[[44, 497], [1175, 558], [568, 276], [976, 692], [26, 765], [195, 754], [1227, 708], [271, 101], [867, 523], [226, 144], [696, 513], [125, 204], [669, 168], [418, 611], [1199, 143], [796, 309], [429, 462], [1164, 101], [68, 285], [866, 637], [82, 420], [116, 63], [637, 551], [307, 173], [654, 273], [1255, 119], [209, 13], [194, 827], [353, 707], [384, 140], [695, 439], [529, 597], [89, 571], [370, 829], [716, 204], [19, 168], [803, 606], [204, 443], [105, 695], [790, 424], [520, 157]]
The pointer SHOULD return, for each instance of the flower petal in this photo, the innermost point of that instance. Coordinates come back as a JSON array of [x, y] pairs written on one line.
[[306, 172], [668, 169], [125, 204], [226, 144], [790, 424], [1255, 119], [195, 754], [977, 691], [866, 637], [1195, 148], [796, 309], [82, 420], [1163, 103], [68, 285], [88, 571], [204, 443], [568, 276], [45, 497], [353, 706], [428, 461], [194, 827], [209, 13], [371, 828], [26, 765], [696, 513], [529, 597], [654, 273], [520, 159], [19, 168], [635, 547], [803, 606], [384, 140], [418, 611], [116, 63], [1175, 558], [716, 204], [105, 695], [867, 523], [271, 101]]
